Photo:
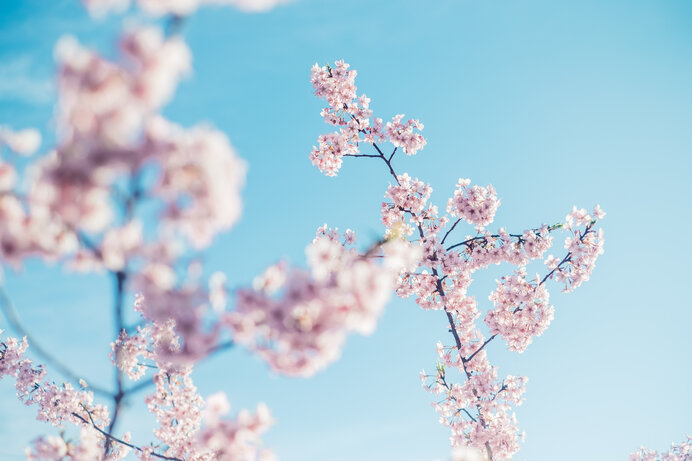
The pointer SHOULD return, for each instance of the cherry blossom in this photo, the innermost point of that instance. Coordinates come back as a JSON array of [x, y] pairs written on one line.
[[678, 452], [402, 134], [298, 320], [352, 114], [47, 448], [521, 311], [137, 196], [23, 142], [479, 409], [476, 205]]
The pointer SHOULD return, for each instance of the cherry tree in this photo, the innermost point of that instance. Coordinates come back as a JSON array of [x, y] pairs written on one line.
[[127, 192]]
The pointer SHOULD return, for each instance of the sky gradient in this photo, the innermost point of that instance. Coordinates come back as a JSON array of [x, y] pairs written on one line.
[[554, 103]]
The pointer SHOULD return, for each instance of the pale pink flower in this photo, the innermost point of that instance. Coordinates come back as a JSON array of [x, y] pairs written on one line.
[[23, 142], [475, 204]]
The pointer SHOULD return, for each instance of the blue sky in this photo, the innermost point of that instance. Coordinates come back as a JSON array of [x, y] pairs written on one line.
[[555, 103]]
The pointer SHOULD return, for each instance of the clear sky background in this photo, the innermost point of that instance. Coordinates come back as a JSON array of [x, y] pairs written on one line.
[[555, 103]]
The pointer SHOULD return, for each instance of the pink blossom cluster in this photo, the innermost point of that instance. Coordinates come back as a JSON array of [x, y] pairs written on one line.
[[234, 440], [115, 151], [403, 134], [476, 204], [200, 168], [352, 114], [112, 136], [408, 196], [47, 448], [678, 452], [110, 129], [298, 320], [584, 247], [337, 86], [458, 266], [182, 310], [193, 429], [188, 428], [121, 244], [424, 286], [478, 412], [178, 410], [483, 250], [89, 447], [22, 142], [328, 157], [57, 405], [152, 344], [25, 233], [479, 409], [521, 310]]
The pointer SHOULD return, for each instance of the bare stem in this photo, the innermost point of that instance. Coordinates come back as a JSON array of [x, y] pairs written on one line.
[[12, 318], [469, 242], [392, 156], [479, 349], [568, 256], [450, 231], [120, 279], [361, 155], [388, 162], [149, 382]]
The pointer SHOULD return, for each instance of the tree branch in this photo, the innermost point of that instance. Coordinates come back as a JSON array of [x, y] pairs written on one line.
[[144, 384], [120, 279], [388, 162], [111, 438], [479, 349], [12, 318], [449, 231], [468, 242], [392, 156]]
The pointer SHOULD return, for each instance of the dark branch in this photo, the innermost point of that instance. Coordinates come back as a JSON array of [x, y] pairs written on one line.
[[449, 231], [479, 349], [149, 382], [120, 279], [115, 439]]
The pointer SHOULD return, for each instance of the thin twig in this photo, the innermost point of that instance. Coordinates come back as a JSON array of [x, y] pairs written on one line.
[[149, 382], [120, 394], [450, 318], [468, 414], [468, 242], [12, 318], [450, 231], [392, 156], [115, 439], [479, 349], [566, 259]]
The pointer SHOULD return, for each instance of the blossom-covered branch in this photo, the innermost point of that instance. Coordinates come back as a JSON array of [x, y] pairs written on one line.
[[478, 411]]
